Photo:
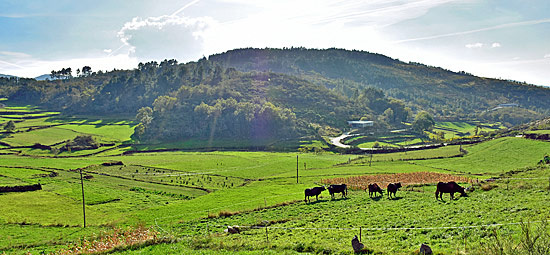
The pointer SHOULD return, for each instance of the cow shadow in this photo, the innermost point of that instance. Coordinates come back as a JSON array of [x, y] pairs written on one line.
[[445, 201], [338, 199], [376, 198], [317, 201], [395, 198]]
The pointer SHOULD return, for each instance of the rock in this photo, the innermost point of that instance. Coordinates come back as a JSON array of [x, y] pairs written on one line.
[[425, 249], [232, 230], [357, 246]]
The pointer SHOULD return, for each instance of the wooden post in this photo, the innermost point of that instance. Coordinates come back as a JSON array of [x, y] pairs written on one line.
[[266, 235], [83, 202], [370, 162], [296, 169], [360, 234], [464, 232]]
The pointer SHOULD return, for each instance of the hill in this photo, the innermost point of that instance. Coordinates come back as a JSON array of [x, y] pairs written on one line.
[[6, 76], [202, 100], [443, 93], [43, 77], [277, 94]]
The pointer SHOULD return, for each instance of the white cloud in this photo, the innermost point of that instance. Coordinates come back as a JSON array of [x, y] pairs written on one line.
[[495, 45], [474, 45], [108, 51], [547, 55], [166, 37]]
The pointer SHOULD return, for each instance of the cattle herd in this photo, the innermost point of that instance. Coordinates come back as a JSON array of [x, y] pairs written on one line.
[[373, 189]]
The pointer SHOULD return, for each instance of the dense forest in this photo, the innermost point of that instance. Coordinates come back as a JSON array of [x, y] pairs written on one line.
[[443, 93], [276, 93]]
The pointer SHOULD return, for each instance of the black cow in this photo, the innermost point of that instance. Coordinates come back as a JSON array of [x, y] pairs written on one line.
[[315, 191], [392, 188], [334, 188], [448, 187], [373, 188]]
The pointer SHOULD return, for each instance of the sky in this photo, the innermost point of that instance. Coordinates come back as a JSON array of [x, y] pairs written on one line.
[[506, 39]]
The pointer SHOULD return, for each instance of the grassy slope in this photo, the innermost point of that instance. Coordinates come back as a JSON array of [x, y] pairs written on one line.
[[328, 226], [111, 201], [495, 156]]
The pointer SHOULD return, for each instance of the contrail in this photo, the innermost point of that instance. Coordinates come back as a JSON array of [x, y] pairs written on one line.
[[184, 7], [113, 52], [515, 24], [8, 63]]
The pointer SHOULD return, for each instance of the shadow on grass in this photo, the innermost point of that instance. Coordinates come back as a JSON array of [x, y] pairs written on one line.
[[91, 121], [376, 198], [338, 199], [395, 198], [317, 201]]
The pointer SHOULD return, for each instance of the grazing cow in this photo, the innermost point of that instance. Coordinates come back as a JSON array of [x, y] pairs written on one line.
[[448, 187], [334, 188], [392, 188], [373, 188], [315, 191]]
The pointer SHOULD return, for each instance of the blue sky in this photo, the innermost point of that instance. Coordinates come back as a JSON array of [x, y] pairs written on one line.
[[493, 38]]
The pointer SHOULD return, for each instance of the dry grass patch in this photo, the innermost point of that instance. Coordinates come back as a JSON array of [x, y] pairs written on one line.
[[118, 239], [361, 182]]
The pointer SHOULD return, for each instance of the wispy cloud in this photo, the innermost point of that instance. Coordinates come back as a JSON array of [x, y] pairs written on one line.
[[377, 13], [482, 45], [9, 64], [474, 45], [185, 7], [547, 55], [508, 25]]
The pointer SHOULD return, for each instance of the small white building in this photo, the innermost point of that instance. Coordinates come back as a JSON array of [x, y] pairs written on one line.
[[360, 123]]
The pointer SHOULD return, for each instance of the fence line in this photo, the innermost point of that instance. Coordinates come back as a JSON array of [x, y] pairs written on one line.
[[526, 178], [386, 229]]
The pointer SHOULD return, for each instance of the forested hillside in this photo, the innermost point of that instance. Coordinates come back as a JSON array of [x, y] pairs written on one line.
[[201, 99], [277, 94], [443, 93]]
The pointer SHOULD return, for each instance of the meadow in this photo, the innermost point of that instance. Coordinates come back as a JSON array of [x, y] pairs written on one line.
[[187, 199]]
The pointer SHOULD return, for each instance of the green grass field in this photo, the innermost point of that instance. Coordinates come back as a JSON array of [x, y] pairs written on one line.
[[190, 197]]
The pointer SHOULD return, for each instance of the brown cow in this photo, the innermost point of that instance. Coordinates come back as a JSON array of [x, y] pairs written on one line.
[[373, 188], [392, 188], [315, 191], [448, 187]]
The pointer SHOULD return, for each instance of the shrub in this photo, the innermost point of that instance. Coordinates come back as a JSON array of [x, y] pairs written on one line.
[[533, 240]]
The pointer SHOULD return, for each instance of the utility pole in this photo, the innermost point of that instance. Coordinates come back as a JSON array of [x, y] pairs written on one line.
[[83, 203]]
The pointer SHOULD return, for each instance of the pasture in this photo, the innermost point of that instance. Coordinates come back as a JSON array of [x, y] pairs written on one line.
[[189, 198], [451, 130]]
